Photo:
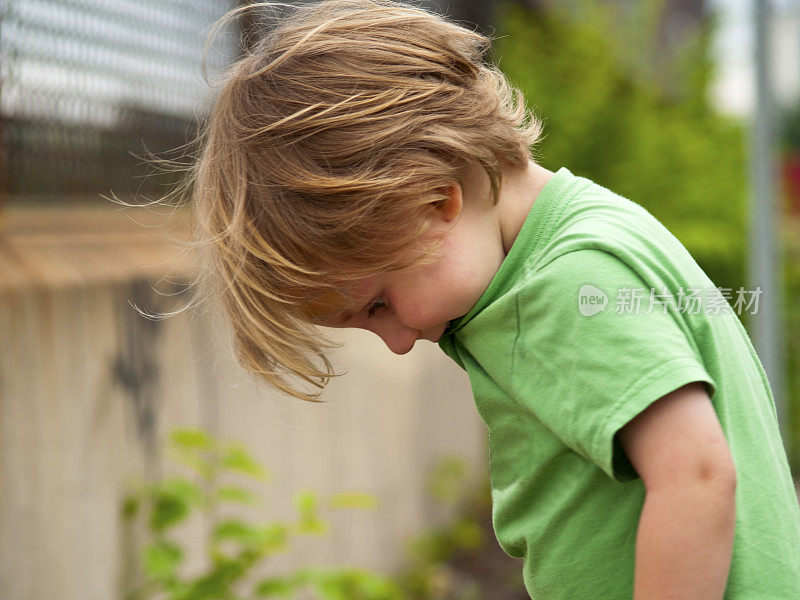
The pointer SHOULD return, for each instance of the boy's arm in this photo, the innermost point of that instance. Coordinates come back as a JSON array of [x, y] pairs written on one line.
[[685, 537]]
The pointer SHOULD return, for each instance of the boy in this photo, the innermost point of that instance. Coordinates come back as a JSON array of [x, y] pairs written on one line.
[[362, 167]]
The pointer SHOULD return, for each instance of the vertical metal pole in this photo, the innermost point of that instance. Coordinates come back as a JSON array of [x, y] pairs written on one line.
[[764, 256], [4, 178]]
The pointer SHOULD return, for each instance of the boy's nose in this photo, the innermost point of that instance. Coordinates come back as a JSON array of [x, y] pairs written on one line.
[[399, 339]]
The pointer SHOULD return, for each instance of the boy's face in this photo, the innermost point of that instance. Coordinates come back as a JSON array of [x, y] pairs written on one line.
[[409, 304], [418, 302]]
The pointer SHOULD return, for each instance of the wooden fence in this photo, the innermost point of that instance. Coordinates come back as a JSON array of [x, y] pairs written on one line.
[[89, 389]]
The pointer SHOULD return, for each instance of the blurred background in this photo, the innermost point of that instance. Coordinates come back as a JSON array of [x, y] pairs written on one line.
[[137, 459]]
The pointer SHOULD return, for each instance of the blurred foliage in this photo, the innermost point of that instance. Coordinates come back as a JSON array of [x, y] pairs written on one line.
[[428, 575], [790, 129], [235, 546], [792, 334], [460, 559], [644, 127], [647, 134], [790, 147]]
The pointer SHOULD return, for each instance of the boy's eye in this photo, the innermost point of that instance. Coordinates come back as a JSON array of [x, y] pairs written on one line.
[[378, 304]]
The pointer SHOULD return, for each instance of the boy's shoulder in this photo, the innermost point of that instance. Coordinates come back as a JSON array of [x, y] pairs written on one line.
[[583, 242], [575, 214]]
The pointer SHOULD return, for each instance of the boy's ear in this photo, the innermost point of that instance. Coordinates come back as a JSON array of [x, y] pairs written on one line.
[[449, 209]]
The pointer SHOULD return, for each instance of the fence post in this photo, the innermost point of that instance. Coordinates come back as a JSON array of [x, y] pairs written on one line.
[[764, 252]]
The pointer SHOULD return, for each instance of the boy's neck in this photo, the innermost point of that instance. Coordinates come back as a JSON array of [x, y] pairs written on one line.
[[520, 189], [485, 231]]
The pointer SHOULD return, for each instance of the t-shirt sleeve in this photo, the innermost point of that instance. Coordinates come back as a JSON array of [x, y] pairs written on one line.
[[593, 350]]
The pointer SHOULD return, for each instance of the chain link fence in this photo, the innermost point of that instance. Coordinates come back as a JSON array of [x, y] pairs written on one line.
[[88, 87]]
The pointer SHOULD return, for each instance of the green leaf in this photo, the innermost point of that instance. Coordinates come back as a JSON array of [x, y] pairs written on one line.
[[216, 583], [198, 463], [447, 479], [195, 439], [467, 534], [353, 584], [231, 493], [236, 458], [305, 501], [235, 530], [353, 500], [312, 527], [286, 586], [309, 522], [130, 506], [167, 511], [172, 500], [432, 546], [161, 559], [275, 537], [184, 488], [269, 538], [277, 587]]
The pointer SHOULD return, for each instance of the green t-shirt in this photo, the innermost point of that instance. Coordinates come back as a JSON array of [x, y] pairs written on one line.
[[596, 312]]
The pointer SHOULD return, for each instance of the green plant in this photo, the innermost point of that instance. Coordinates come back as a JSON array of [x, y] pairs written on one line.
[[460, 559], [790, 128], [428, 575], [235, 546], [790, 145]]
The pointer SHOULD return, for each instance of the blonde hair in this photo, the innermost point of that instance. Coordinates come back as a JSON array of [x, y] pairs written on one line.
[[326, 143]]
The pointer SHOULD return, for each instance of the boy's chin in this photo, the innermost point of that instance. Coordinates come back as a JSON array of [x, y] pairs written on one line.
[[434, 334]]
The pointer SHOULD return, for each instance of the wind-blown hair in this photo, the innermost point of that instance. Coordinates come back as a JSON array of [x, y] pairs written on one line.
[[326, 144]]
